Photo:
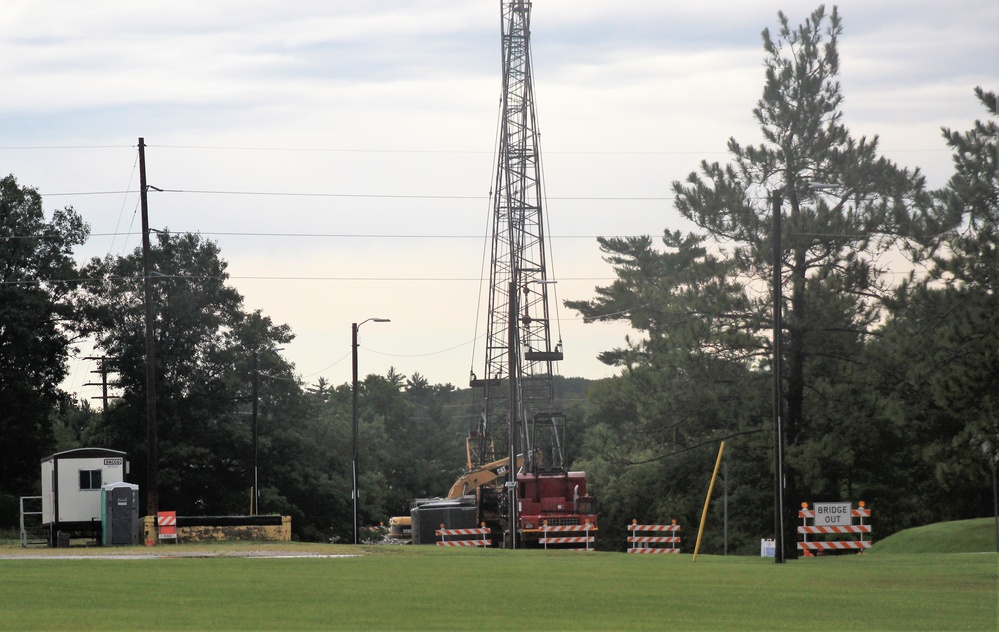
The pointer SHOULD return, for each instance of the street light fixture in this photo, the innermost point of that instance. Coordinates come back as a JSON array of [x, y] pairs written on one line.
[[354, 475]]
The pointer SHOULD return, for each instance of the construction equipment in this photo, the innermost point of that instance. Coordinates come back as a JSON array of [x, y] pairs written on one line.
[[518, 386], [476, 477], [400, 529]]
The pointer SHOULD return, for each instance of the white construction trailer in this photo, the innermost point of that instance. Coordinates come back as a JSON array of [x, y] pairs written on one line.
[[71, 491]]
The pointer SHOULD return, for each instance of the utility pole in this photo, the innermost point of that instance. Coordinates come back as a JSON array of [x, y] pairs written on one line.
[[776, 200], [256, 396], [725, 507], [103, 371], [152, 456]]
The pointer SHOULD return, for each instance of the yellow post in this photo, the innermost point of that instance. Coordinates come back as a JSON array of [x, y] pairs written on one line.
[[707, 501]]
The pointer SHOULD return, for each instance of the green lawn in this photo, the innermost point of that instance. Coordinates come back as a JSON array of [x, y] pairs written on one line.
[[419, 588], [959, 536]]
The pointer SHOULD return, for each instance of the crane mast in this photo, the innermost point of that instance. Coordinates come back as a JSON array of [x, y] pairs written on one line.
[[524, 488], [518, 389]]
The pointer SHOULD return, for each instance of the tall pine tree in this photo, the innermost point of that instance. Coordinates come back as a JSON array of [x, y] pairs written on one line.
[[836, 240]]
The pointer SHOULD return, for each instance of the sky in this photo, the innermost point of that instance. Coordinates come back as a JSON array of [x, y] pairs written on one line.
[[342, 153]]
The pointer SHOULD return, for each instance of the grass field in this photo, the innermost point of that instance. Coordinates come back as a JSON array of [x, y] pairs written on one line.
[[959, 536], [427, 588]]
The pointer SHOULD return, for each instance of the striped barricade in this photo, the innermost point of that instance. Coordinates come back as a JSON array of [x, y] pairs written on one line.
[[568, 534], [809, 548], [166, 525], [464, 534], [653, 543]]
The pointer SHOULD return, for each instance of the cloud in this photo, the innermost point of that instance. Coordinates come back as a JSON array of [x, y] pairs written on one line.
[[389, 108]]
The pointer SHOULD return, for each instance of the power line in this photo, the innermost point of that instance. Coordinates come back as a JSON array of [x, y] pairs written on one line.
[[60, 147], [87, 193], [344, 150], [389, 196], [310, 235], [160, 277]]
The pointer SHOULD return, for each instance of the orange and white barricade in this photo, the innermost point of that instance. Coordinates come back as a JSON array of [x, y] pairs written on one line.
[[568, 534], [166, 525], [653, 543], [833, 518], [464, 534]]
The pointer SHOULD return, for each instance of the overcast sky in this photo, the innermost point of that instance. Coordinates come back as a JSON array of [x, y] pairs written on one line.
[[377, 121]]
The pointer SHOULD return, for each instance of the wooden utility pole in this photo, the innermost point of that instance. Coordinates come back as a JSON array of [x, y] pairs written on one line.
[[103, 370], [152, 457]]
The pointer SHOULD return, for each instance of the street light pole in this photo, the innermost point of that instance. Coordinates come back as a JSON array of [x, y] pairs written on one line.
[[354, 473], [256, 396], [255, 502], [778, 263]]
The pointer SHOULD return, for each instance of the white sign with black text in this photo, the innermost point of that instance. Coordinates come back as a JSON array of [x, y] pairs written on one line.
[[832, 514]]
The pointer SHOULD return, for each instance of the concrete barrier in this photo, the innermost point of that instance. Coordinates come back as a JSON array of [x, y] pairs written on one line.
[[223, 528]]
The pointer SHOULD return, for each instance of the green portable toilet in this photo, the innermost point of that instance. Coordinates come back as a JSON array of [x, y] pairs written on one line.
[[120, 514]]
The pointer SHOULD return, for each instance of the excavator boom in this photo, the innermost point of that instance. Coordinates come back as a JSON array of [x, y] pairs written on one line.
[[480, 476]]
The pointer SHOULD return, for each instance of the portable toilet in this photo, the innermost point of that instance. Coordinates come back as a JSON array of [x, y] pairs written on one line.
[[71, 490], [120, 514]]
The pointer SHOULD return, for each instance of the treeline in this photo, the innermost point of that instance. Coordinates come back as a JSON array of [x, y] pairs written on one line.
[[889, 347], [889, 324]]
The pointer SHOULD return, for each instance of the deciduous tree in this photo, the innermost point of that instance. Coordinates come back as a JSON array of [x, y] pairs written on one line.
[[204, 343], [36, 266]]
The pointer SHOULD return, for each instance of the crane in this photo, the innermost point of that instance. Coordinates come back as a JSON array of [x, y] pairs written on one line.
[[517, 383], [518, 482]]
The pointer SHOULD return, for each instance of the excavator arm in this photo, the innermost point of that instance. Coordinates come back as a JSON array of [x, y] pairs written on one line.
[[480, 476]]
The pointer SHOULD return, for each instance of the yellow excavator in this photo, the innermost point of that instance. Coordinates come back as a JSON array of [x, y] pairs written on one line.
[[477, 477], [400, 527]]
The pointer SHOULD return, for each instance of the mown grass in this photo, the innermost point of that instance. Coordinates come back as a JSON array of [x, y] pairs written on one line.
[[426, 588], [959, 536]]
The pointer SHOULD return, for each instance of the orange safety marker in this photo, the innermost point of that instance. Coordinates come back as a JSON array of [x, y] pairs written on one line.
[[808, 547], [445, 533], [166, 525], [650, 544], [586, 539]]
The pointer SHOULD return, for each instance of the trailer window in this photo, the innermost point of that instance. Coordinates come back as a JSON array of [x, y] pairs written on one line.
[[90, 479]]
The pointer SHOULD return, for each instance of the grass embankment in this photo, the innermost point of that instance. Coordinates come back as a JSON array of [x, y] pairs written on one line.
[[417, 588], [959, 536]]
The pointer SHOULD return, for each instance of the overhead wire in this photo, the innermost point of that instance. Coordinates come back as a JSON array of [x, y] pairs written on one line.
[[362, 150], [548, 232], [487, 232], [311, 235], [490, 198], [280, 278], [371, 196], [131, 177]]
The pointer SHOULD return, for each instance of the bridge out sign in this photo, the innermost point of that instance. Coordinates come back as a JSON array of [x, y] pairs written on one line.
[[832, 514]]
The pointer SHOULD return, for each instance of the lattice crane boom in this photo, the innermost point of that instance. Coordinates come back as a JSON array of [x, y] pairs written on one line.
[[519, 353]]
